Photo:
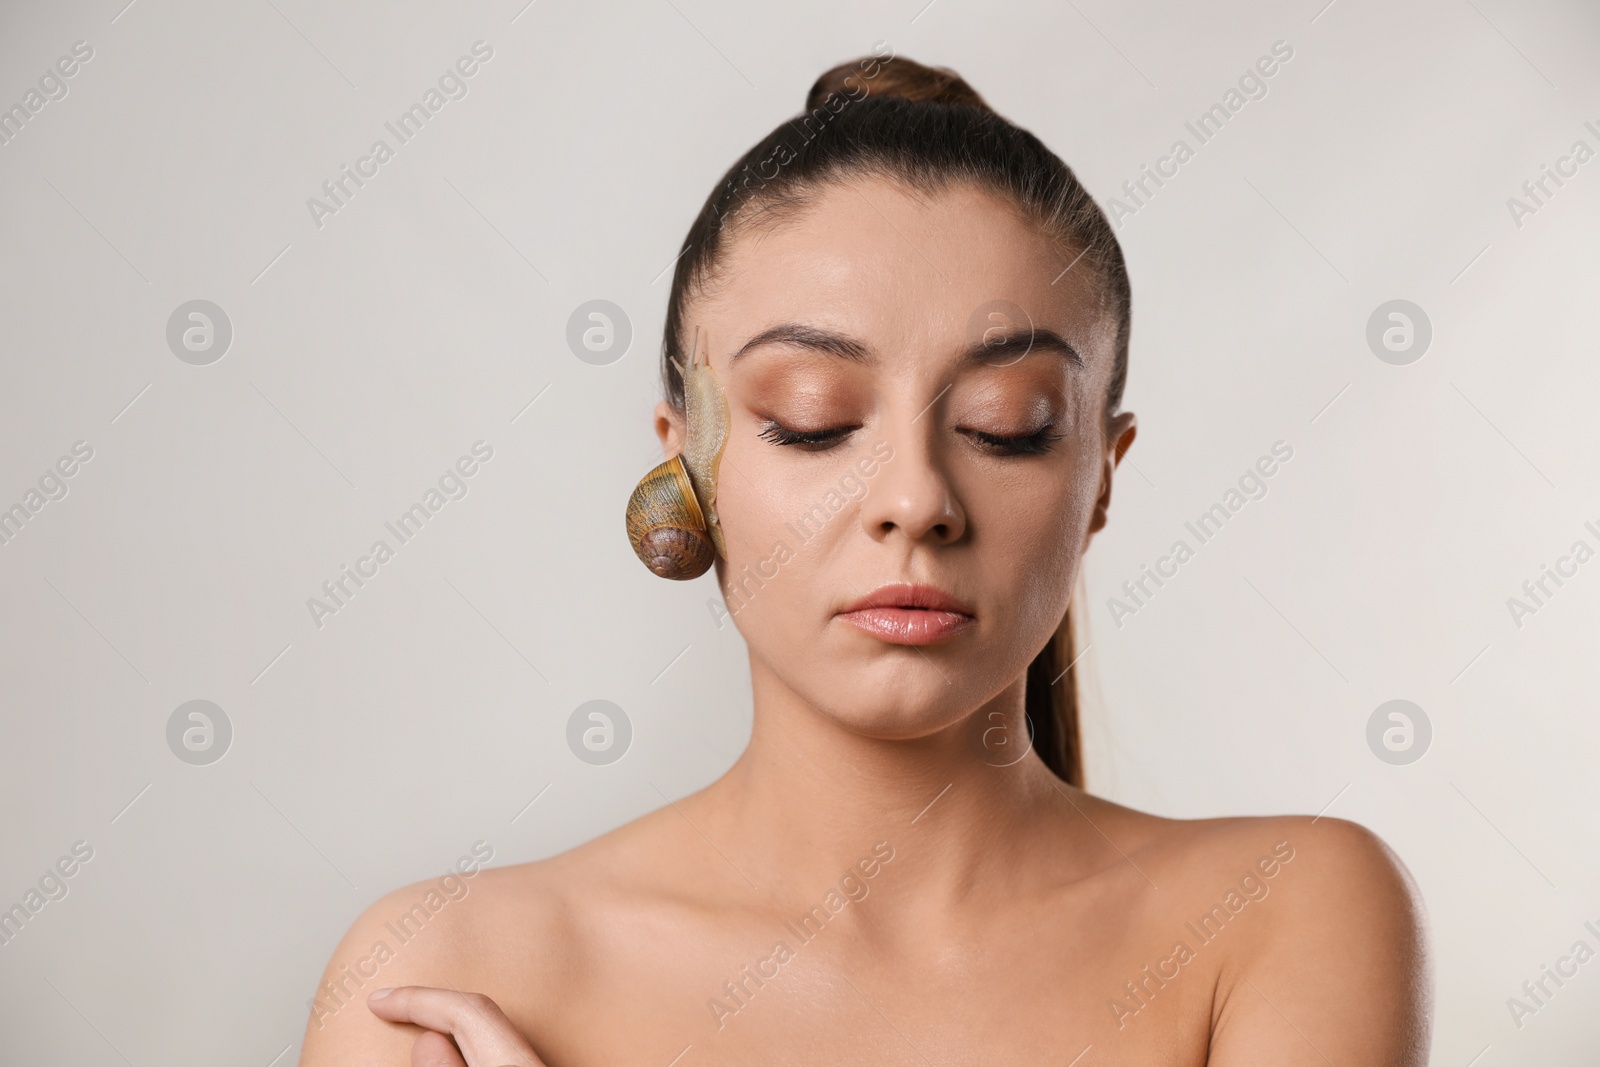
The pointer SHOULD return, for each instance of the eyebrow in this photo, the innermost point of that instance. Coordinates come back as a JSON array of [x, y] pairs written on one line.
[[817, 340], [1014, 346], [1008, 348]]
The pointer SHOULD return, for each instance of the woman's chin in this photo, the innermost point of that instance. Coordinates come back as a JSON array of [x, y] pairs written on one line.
[[895, 716]]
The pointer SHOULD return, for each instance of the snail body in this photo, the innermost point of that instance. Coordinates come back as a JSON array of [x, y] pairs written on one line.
[[672, 514], [706, 412]]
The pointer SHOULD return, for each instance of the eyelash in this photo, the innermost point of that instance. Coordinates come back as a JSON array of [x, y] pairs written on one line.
[[808, 440], [1030, 444]]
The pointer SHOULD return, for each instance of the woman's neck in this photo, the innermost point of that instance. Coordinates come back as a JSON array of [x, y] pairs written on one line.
[[812, 794]]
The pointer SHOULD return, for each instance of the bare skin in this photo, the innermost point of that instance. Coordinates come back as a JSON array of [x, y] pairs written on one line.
[[959, 911]]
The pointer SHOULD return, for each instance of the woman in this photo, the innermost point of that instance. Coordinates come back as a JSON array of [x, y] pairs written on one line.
[[918, 321]]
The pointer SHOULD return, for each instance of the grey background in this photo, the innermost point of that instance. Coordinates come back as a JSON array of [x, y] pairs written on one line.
[[370, 353]]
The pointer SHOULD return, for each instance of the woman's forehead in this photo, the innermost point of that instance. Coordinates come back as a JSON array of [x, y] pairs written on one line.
[[875, 260]]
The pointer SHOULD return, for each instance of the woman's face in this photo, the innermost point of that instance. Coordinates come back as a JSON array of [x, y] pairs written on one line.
[[890, 423]]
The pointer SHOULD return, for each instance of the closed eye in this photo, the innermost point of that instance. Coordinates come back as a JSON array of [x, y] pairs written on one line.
[[1029, 444], [807, 440]]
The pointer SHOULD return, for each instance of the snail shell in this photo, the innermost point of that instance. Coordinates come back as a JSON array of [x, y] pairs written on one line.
[[666, 526]]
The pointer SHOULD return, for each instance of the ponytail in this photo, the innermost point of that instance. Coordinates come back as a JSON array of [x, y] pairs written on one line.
[[1052, 705]]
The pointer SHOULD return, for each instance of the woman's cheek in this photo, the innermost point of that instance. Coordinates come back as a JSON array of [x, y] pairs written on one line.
[[1036, 532], [754, 497], [750, 495]]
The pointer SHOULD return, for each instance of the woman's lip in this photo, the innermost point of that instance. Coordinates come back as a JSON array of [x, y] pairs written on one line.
[[903, 613], [904, 595], [907, 626]]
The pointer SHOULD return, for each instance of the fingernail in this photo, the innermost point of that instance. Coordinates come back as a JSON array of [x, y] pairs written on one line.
[[379, 994]]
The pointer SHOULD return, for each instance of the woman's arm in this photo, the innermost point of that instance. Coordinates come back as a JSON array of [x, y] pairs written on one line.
[[341, 1030], [1340, 974]]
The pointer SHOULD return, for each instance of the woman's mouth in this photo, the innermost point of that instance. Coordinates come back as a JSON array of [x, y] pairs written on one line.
[[908, 614]]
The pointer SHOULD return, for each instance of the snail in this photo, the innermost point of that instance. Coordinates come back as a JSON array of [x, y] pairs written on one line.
[[672, 514], [666, 525]]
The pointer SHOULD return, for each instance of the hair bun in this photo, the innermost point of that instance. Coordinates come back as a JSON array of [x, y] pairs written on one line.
[[895, 76]]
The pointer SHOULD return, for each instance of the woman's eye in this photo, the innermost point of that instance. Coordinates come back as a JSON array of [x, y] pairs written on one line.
[[1029, 444], [809, 440]]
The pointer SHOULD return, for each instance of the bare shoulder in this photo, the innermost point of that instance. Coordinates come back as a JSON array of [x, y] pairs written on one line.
[[1338, 866], [1331, 880], [1312, 931], [515, 932], [1336, 966], [1334, 883], [425, 933]]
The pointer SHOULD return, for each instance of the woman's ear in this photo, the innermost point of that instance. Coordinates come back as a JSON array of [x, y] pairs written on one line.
[[1120, 432], [670, 427]]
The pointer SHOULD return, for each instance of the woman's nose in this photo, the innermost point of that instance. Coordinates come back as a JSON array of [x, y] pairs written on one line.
[[913, 495]]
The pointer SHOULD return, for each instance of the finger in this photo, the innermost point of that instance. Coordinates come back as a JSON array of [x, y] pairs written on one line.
[[435, 1050], [485, 1037]]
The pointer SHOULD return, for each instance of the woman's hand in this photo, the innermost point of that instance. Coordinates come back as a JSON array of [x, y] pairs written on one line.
[[466, 1025]]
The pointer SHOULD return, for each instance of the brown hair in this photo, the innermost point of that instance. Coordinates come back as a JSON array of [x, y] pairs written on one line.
[[927, 128]]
